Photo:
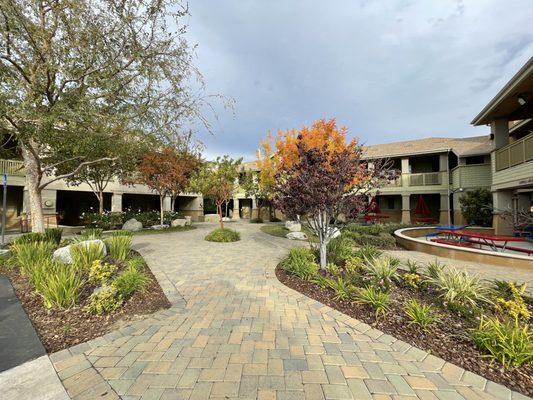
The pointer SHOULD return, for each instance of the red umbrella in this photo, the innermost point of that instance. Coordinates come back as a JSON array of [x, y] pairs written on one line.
[[373, 207], [421, 207]]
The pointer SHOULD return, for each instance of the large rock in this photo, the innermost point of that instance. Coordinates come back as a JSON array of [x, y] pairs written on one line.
[[132, 225], [178, 222], [296, 236], [211, 217], [335, 232], [293, 226], [159, 227], [64, 255], [188, 220]]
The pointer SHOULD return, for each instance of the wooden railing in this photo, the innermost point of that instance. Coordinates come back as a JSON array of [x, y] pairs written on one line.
[[12, 167], [425, 179], [515, 153]]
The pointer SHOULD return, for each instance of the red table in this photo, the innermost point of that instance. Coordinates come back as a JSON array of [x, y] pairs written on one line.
[[484, 239]]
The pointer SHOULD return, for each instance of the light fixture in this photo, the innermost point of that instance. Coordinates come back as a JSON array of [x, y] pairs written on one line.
[[521, 100]]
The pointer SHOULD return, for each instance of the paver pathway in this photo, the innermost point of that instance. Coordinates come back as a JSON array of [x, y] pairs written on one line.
[[234, 331]]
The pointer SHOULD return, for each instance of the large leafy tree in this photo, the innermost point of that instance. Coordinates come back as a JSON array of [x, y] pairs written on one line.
[[217, 181], [167, 172], [65, 66], [326, 186], [476, 207]]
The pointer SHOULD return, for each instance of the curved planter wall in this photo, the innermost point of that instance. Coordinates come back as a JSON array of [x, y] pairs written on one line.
[[415, 239]]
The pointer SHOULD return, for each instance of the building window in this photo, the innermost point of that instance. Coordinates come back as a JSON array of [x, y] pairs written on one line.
[[390, 203], [475, 160]]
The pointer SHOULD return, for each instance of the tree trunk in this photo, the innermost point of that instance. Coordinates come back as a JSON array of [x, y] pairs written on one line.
[[33, 181], [173, 202], [323, 253], [100, 196], [162, 213], [219, 211]]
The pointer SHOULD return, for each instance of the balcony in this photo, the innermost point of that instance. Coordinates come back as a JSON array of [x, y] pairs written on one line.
[[424, 179], [515, 153], [471, 176], [12, 167]]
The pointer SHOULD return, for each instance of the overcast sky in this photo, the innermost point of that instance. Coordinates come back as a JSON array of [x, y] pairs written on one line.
[[387, 69]]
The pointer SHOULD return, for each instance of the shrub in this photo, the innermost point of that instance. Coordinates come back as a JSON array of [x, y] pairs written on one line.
[[476, 207], [367, 252], [223, 235], [136, 263], [383, 240], [29, 255], [382, 271], [59, 284], [53, 235], [321, 280], [83, 255], [122, 233], [300, 262], [512, 304], [413, 280], [90, 234], [376, 299], [32, 237], [107, 299], [412, 267], [130, 281], [458, 288], [419, 314], [101, 272], [376, 229], [434, 269], [119, 246], [507, 341], [256, 220], [343, 288], [340, 249]]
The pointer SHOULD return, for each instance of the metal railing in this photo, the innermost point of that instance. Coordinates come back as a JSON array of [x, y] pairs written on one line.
[[425, 179], [12, 167], [515, 153]]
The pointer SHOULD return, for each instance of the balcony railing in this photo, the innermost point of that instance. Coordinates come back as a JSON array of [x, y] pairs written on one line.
[[12, 167], [424, 179], [515, 153]]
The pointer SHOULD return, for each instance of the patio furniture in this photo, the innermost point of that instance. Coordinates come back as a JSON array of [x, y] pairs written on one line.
[[423, 212], [494, 242], [373, 213]]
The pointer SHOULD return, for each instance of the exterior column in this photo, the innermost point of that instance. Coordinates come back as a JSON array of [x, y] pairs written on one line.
[[167, 202], [502, 201], [404, 170], [236, 213], [116, 202], [444, 217], [499, 128], [406, 208]]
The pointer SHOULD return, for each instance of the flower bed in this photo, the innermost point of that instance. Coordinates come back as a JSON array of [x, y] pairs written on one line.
[[71, 303], [466, 327]]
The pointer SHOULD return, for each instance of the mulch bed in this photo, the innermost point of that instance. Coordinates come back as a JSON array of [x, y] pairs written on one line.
[[446, 339], [59, 329]]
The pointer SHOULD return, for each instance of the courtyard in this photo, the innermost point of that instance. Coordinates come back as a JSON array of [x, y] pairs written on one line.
[[234, 331]]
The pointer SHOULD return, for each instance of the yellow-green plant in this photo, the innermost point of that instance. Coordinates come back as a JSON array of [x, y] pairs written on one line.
[[376, 299], [30, 255], [333, 269], [130, 281], [321, 280], [300, 262], [101, 272], [413, 280], [514, 305], [119, 246], [107, 299], [382, 271], [84, 254], [506, 341], [342, 288], [136, 263], [419, 314], [59, 284]]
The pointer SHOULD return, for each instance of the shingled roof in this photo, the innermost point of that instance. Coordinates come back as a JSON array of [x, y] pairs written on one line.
[[470, 146]]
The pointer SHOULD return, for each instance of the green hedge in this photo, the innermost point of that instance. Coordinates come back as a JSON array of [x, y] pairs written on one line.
[[376, 229], [223, 235], [115, 220], [382, 240]]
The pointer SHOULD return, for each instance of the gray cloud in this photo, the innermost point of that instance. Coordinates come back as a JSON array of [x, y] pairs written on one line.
[[389, 70]]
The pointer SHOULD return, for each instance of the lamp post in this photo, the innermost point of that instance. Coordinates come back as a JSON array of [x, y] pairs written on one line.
[[450, 201]]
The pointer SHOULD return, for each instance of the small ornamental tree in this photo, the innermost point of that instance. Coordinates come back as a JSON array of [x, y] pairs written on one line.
[[476, 207], [217, 181], [167, 172], [326, 187]]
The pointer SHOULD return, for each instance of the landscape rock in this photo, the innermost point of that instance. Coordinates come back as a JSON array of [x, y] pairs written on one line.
[[188, 220], [335, 232], [178, 222], [159, 227], [296, 236], [293, 226], [132, 225], [64, 255], [226, 219]]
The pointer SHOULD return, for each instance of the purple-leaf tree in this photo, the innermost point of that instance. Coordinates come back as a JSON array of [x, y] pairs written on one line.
[[327, 187]]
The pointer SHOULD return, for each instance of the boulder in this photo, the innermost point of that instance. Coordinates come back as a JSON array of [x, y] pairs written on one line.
[[159, 227], [296, 236], [188, 220], [293, 226], [178, 222], [226, 219], [335, 232], [64, 255], [132, 225]]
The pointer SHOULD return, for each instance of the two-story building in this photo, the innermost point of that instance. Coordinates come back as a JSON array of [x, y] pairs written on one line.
[[510, 117], [433, 174]]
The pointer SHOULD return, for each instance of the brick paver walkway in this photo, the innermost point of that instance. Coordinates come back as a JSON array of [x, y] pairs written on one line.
[[234, 331]]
